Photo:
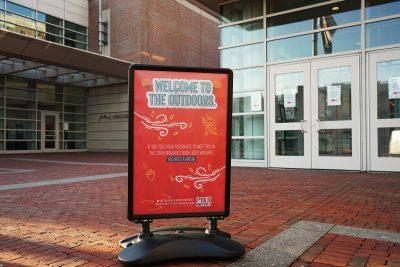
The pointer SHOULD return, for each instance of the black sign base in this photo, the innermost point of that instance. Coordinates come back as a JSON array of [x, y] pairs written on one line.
[[178, 243]]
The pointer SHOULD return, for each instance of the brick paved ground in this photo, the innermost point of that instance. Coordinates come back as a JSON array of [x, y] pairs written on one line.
[[340, 250], [81, 223]]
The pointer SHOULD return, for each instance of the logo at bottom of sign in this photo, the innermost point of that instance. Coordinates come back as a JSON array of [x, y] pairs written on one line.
[[203, 201]]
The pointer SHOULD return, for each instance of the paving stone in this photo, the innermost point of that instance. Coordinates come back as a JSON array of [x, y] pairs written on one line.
[[367, 233]]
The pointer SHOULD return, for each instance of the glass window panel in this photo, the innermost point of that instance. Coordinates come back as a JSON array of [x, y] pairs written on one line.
[[72, 43], [76, 126], [290, 48], [242, 103], [382, 33], [49, 106], [2, 4], [20, 145], [2, 25], [20, 29], [289, 143], [19, 20], [40, 26], [75, 145], [48, 97], [50, 19], [75, 27], [1, 124], [335, 41], [49, 143], [1, 15], [75, 36], [74, 99], [21, 10], [335, 142], [334, 109], [20, 103], [20, 114], [74, 109], [388, 107], [241, 57], [73, 90], [74, 135], [53, 30], [74, 117], [20, 93], [316, 18], [248, 125], [381, 8], [17, 124], [46, 87], [285, 84], [250, 149], [50, 37], [240, 10], [389, 142], [20, 135], [242, 33], [274, 6], [249, 79], [16, 82]]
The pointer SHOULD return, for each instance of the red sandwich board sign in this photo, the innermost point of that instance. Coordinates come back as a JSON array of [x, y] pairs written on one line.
[[179, 142]]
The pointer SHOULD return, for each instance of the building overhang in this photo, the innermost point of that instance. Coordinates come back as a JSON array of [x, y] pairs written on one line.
[[210, 6], [32, 58]]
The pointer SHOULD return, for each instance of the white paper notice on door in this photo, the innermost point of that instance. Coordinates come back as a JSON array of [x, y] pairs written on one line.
[[289, 98], [394, 87], [255, 101], [334, 95]]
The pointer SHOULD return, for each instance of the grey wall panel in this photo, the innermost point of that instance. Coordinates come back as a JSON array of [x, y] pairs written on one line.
[[108, 126], [108, 136], [107, 117], [106, 99], [106, 90], [107, 145], [76, 11], [28, 3], [105, 108]]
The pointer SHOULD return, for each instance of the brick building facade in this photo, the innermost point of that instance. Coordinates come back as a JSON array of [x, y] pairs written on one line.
[[168, 32]]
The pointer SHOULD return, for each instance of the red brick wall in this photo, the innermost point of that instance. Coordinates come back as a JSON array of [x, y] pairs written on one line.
[[157, 32]]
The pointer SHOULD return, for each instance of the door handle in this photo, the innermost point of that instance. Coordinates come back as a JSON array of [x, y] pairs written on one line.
[[317, 125], [302, 126]]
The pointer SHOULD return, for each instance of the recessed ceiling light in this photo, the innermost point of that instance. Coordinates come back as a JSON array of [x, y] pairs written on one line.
[[335, 8]]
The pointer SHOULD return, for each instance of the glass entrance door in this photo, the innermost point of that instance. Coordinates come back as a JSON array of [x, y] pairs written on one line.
[[384, 114], [335, 109], [50, 131], [315, 115], [290, 137]]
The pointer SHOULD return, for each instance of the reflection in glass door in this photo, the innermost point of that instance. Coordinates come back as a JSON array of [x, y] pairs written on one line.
[[289, 109], [335, 105], [49, 131], [384, 86]]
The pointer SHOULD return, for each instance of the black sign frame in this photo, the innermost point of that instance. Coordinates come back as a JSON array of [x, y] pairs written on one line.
[[131, 90]]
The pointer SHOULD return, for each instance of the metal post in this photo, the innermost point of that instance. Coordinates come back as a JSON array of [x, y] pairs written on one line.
[[213, 226], [100, 20], [145, 233]]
